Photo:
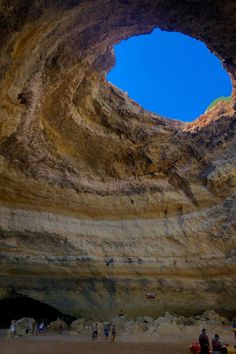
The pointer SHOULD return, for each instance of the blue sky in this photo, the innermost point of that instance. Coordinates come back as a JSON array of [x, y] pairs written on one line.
[[170, 74]]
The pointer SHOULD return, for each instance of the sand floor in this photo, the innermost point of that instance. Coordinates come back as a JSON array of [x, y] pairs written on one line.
[[70, 344], [62, 344]]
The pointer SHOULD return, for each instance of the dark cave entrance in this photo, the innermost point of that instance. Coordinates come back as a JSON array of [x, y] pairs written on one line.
[[22, 306]]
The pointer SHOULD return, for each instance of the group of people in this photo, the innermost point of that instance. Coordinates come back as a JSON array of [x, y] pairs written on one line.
[[36, 327], [106, 329], [217, 345], [203, 347], [32, 327]]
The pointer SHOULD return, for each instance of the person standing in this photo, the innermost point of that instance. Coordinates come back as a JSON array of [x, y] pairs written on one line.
[[204, 342], [234, 328], [13, 328], [41, 327], [113, 332], [106, 331], [95, 331]]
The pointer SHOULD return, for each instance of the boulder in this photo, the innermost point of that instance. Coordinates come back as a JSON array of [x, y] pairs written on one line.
[[78, 325], [214, 317], [139, 319], [25, 326], [130, 324], [186, 321], [136, 327], [168, 316], [120, 321], [57, 325], [210, 315], [169, 329], [148, 319], [161, 320]]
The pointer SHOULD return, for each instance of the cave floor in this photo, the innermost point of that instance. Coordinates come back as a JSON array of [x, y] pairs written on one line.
[[61, 345], [70, 344]]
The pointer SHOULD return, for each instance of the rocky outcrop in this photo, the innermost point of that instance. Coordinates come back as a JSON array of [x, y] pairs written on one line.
[[57, 326], [101, 201], [148, 329], [24, 326]]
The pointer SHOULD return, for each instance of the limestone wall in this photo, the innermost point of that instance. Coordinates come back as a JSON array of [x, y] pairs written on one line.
[[88, 176]]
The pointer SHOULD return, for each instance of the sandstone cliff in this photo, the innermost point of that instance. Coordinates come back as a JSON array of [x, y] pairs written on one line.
[[101, 201]]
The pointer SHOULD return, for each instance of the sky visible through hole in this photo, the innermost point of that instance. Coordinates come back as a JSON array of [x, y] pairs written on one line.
[[170, 74]]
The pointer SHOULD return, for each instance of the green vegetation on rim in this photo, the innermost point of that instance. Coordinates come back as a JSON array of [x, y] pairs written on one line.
[[213, 103]]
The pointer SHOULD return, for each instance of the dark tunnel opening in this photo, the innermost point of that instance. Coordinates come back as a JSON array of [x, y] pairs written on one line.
[[22, 306]]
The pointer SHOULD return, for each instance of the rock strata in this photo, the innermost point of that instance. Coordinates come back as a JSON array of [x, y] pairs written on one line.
[[102, 202]]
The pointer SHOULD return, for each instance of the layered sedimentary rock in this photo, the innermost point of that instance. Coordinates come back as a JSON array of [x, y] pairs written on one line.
[[101, 201]]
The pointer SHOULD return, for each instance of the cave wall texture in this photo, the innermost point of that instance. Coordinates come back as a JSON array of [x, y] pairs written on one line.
[[100, 200]]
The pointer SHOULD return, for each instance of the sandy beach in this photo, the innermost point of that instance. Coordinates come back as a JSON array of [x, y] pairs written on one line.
[[65, 344], [70, 344], [166, 338]]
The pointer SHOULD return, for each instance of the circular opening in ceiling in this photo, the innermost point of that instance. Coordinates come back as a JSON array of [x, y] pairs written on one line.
[[169, 73]]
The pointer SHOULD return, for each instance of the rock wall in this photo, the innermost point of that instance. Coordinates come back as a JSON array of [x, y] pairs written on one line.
[[101, 201]]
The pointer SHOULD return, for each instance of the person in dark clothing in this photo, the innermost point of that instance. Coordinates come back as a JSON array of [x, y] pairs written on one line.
[[113, 332], [106, 331], [234, 328], [204, 342], [95, 332], [217, 346]]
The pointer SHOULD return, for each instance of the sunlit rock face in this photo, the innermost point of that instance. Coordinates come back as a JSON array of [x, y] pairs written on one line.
[[101, 201]]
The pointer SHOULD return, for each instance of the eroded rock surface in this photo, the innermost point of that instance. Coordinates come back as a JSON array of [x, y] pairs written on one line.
[[166, 327], [101, 201]]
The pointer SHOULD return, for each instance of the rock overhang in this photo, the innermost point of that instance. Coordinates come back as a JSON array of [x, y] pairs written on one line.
[[132, 185]]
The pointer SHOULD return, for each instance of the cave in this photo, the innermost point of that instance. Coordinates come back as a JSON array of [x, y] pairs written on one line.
[[23, 306], [88, 174]]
